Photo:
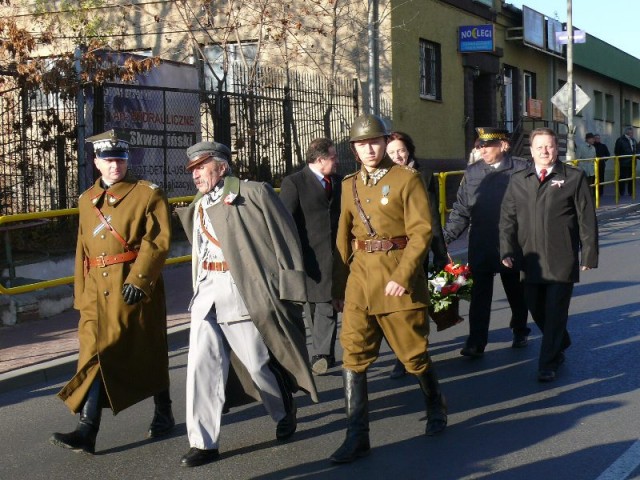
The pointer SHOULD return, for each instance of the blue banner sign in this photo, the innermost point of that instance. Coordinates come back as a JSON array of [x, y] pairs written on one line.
[[476, 38]]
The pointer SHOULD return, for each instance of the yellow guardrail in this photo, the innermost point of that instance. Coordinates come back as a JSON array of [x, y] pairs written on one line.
[[28, 219], [598, 182]]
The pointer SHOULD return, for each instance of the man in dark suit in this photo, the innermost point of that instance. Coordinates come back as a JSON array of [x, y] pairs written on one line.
[[625, 145], [312, 195], [549, 231]]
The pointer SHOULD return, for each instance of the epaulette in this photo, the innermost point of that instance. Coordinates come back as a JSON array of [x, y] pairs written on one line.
[[86, 191], [350, 175], [407, 167], [152, 186]]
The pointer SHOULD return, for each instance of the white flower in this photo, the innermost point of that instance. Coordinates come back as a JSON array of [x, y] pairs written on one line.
[[461, 280]]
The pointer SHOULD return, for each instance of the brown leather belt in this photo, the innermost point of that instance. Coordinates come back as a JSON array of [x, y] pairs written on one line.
[[380, 245], [106, 260], [215, 266]]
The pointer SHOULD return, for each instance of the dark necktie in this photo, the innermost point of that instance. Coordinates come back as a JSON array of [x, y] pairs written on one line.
[[543, 174], [328, 190]]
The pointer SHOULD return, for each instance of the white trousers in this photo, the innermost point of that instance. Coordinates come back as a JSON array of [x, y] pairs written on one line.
[[210, 344]]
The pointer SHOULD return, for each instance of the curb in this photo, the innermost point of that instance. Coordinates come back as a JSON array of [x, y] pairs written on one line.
[[51, 370]]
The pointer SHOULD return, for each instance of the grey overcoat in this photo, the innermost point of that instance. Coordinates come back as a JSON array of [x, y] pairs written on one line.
[[260, 243]]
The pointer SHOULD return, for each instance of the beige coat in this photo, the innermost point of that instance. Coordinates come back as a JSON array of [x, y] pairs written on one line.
[[126, 344]]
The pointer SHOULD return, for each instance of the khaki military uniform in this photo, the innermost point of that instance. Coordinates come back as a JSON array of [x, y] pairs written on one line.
[[125, 344], [397, 206]]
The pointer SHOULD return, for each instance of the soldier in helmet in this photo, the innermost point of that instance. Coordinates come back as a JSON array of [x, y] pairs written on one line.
[[378, 280], [123, 240]]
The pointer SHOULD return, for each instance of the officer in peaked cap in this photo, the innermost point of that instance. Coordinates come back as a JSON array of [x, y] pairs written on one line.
[[123, 240], [477, 208], [384, 227]]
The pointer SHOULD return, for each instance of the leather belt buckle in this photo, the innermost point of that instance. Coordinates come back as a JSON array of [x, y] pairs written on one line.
[[100, 261], [368, 246], [386, 245]]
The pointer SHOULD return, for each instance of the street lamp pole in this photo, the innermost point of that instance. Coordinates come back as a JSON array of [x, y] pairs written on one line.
[[572, 96], [374, 58]]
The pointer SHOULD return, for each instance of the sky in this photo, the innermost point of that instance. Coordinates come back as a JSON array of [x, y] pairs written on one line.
[[612, 21]]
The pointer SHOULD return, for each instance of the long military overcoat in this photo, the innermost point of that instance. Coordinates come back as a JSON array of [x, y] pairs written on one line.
[[260, 243], [317, 220], [397, 206], [551, 227], [126, 344]]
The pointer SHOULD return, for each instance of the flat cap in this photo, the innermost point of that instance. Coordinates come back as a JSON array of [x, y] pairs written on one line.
[[202, 151], [110, 144], [488, 135]]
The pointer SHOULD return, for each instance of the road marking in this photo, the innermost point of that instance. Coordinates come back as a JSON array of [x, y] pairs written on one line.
[[624, 465]]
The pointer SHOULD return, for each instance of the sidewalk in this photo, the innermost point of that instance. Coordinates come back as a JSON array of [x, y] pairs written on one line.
[[46, 349]]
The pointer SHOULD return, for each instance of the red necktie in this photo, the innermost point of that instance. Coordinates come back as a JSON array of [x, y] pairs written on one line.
[[543, 174], [327, 187]]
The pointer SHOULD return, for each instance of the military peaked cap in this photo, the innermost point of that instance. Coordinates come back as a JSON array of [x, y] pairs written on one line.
[[111, 144], [202, 151]]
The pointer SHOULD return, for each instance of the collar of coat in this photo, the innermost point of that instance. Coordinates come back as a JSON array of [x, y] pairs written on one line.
[[230, 190], [115, 193], [559, 170]]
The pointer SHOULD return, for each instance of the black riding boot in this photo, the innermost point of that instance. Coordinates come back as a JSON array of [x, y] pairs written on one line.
[[286, 426], [83, 438], [163, 421], [356, 444], [435, 401]]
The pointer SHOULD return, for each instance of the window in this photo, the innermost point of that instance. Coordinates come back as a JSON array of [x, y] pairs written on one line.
[[608, 100], [626, 112], [215, 58], [430, 70], [636, 114], [598, 110], [529, 89]]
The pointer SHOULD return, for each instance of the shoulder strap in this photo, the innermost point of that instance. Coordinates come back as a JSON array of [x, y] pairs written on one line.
[[106, 223], [370, 231]]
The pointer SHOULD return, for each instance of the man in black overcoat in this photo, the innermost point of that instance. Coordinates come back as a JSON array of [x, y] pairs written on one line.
[[312, 195], [549, 231], [478, 208]]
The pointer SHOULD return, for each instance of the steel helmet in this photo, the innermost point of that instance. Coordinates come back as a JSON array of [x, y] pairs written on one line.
[[367, 126]]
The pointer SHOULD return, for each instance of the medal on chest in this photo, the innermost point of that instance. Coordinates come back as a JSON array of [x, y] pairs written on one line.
[[385, 193]]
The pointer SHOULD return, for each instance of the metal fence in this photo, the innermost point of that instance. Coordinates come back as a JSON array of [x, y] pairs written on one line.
[[268, 117], [38, 167]]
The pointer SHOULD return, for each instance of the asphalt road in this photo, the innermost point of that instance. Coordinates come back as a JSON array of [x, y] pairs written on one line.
[[503, 424]]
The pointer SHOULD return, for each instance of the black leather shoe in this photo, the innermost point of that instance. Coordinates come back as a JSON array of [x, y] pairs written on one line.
[[546, 376], [472, 351], [287, 426], [398, 370], [196, 457], [519, 340], [321, 363]]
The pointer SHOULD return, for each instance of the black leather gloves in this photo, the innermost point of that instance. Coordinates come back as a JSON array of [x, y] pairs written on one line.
[[131, 294]]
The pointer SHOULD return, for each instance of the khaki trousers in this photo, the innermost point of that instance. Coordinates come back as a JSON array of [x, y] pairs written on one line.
[[406, 332]]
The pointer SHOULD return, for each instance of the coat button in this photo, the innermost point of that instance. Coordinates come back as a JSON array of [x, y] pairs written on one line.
[[368, 217], [106, 293], [104, 274], [103, 254], [139, 275], [103, 236], [368, 200]]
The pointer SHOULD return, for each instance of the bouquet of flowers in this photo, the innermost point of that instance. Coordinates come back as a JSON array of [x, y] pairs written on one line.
[[446, 288]]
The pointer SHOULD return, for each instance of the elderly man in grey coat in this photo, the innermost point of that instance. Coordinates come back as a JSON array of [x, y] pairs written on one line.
[[247, 335]]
